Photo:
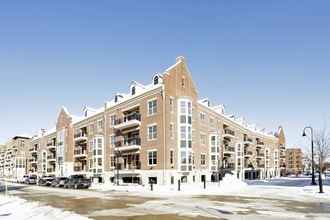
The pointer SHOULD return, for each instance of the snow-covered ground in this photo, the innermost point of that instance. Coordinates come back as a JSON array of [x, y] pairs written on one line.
[[12, 207]]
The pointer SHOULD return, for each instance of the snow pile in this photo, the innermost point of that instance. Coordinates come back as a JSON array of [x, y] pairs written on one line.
[[12, 207], [230, 182]]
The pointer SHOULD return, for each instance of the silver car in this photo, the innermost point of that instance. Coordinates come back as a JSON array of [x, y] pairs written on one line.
[[58, 181], [31, 180]]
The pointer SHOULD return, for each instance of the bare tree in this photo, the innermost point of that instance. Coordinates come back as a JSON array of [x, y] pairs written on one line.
[[322, 147], [322, 151]]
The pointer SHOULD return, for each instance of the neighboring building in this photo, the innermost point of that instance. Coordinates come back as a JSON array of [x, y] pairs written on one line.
[[294, 161], [13, 156], [159, 132]]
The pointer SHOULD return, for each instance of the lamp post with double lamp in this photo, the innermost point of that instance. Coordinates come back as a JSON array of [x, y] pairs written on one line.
[[304, 134]]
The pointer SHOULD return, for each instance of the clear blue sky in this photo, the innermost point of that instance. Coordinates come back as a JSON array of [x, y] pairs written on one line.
[[266, 61]]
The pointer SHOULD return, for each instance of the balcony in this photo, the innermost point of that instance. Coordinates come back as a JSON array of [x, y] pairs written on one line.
[[248, 154], [248, 141], [260, 155], [51, 159], [80, 153], [33, 150], [228, 133], [228, 150], [129, 144], [128, 121], [260, 144], [50, 170], [51, 146], [261, 165], [79, 168], [80, 137], [33, 161]]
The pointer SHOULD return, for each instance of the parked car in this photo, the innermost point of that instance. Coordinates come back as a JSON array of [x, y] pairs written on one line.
[[77, 181], [45, 181], [22, 179], [58, 181], [31, 180]]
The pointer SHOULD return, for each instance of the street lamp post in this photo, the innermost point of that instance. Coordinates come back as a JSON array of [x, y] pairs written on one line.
[[117, 153], [304, 134]]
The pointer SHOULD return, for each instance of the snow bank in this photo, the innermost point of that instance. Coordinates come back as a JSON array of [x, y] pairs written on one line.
[[12, 207]]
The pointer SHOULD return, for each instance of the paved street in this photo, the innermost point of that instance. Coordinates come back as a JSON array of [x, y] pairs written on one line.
[[270, 201]]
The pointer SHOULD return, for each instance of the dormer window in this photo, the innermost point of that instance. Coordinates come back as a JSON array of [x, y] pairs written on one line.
[[133, 90], [156, 80], [116, 98]]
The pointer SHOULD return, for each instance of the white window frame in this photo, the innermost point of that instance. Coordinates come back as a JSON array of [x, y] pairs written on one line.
[[91, 128], [202, 118], [112, 120], [152, 108], [153, 134], [152, 158], [99, 125]]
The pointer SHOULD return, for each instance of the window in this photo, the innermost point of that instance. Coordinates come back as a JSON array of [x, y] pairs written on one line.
[[22, 143], [202, 118], [171, 104], [112, 140], [203, 156], [267, 158], [91, 163], [152, 107], [99, 125], [91, 128], [133, 90], [212, 122], [203, 139], [183, 81], [275, 159], [182, 107], [91, 145], [193, 135], [112, 120], [156, 80], [171, 157], [112, 161], [183, 157], [152, 132], [152, 158], [183, 132], [171, 131]]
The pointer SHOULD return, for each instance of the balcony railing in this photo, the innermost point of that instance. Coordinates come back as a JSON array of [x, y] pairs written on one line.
[[80, 137], [79, 168], [128, 166], [228, 150], [129, 144], [51, 159], [260, 155], [80, 153], [51, 146], [127, 121], [228, 133], [260, 144], [248, 153], [247, 140]]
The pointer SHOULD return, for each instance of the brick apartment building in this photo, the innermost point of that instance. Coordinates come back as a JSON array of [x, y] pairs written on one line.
[[159, 132], [294, 161]]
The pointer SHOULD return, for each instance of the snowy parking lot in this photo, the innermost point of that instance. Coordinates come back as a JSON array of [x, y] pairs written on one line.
[[285, 198]]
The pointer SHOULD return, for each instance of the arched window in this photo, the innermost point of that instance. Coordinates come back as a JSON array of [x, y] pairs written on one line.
[[116, 98], [156, 80], [133, 90]]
